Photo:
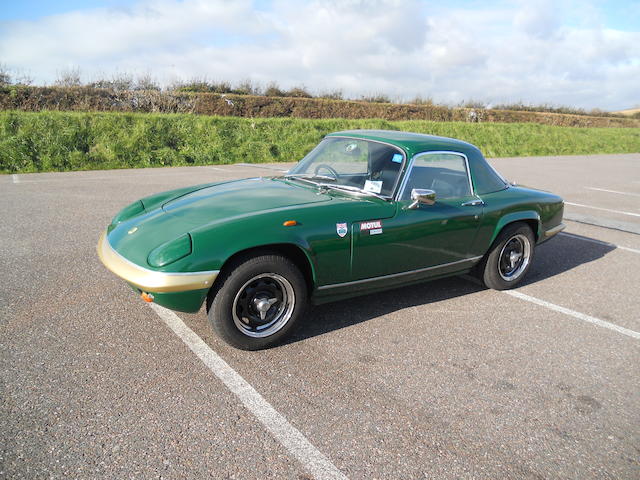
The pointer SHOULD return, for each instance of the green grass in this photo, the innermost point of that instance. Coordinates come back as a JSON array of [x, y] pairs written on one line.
[[64, 141]]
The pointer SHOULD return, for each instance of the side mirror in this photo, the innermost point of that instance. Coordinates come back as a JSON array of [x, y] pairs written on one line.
[[421, 196]]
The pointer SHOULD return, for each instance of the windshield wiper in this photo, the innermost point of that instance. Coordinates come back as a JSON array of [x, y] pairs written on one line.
[[309, 176], [349, 188]]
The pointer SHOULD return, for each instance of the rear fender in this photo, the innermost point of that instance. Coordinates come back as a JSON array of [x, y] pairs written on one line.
[[525, 215]]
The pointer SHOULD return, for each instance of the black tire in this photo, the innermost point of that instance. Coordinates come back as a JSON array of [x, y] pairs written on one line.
[[509, 258], [257, 301]]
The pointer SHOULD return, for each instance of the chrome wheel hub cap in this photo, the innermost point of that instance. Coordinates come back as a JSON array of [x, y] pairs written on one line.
[[263, 305], [514, 257]]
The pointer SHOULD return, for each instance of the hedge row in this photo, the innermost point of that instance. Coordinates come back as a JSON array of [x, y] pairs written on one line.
[[62, 141], [93, 99]]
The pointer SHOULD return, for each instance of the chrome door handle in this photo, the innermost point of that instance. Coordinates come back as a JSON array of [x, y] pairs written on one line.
[[473, 203]]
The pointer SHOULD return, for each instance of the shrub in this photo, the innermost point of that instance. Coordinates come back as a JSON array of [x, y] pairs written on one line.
[[69, 77], [377, 98], [298, 92], [331, 95], [273, 90]]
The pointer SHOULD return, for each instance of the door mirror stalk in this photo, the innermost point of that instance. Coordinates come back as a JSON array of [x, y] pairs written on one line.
[[421, 196]]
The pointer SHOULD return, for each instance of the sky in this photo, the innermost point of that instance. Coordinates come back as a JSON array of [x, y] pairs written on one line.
[[577, 53]]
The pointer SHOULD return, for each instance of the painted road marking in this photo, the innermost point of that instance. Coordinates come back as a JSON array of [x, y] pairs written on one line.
[[84, 178], [15, 178], [599, 242], [558, 308], [603, 222], [573, 313], [613, 191], [291, 438], [604, 209], [253, 165]]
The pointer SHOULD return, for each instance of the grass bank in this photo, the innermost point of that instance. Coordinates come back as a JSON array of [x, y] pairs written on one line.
[[64, 141]]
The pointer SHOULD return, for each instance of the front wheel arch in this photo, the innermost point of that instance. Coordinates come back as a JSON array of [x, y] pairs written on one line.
[[258, 301], [290, 251]]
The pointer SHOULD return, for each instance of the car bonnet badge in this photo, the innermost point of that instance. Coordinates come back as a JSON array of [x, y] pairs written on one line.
[[341, 228]]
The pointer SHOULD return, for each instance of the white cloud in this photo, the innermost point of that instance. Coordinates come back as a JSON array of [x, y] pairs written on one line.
[[539, 19], [538, 52]]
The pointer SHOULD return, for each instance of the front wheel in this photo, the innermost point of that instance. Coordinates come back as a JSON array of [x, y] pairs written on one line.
[[509, 258], [257, 302]]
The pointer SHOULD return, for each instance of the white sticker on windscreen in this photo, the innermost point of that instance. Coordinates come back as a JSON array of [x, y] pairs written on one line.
[[374, 186]]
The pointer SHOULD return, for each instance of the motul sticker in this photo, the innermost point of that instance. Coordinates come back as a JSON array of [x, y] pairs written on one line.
[[374, 227], [341, 229]]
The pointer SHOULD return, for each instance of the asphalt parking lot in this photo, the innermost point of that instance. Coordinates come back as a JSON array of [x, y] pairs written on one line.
[[443, 380]]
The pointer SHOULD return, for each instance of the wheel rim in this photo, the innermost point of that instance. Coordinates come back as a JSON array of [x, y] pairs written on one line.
[[263, 305], [514, 257]]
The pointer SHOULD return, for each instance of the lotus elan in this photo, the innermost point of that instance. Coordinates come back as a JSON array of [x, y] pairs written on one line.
[[364, 211]]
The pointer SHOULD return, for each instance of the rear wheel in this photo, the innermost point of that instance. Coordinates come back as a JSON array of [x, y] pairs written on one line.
[[509, 258], [258, 301]]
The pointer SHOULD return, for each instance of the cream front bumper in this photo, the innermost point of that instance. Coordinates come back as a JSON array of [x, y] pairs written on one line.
[[554, 231], [150, 280]]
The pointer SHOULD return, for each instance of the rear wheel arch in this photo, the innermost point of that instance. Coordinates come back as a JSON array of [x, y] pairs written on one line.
[[490, 268], [529, 218], [530, 222]]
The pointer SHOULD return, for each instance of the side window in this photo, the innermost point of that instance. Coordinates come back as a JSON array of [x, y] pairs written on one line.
[[444, 173]]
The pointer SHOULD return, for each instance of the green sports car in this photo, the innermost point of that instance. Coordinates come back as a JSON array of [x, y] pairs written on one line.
[[364, 211]]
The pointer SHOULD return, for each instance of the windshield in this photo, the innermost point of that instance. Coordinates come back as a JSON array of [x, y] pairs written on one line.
[[356, 164]]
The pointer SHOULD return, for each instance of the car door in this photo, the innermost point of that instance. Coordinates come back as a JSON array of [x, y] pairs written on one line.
[[422, 236]]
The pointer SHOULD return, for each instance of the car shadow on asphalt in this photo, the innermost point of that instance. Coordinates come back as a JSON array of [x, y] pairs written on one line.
[[558, 255], [563, 253]]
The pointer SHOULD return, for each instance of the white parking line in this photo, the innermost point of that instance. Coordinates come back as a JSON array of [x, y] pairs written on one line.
[[295, 442], [558, 308], [254, 165], [604, 209], [599, 242], [15, 178], [104, 177], [573, 313], [613, 191]]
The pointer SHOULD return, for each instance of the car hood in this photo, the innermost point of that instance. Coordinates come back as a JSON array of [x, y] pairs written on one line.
[[134, 238], [239, 198]]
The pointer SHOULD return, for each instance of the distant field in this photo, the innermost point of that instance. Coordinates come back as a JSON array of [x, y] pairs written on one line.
[[630, 112], [64, 141]]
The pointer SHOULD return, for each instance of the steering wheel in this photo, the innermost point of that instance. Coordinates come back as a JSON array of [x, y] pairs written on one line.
[[331, 170]]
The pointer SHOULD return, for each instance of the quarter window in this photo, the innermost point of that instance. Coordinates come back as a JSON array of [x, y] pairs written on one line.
[[444, 173]]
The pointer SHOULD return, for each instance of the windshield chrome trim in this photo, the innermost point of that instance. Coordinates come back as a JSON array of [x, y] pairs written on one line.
[[396, 185], [400, 274], [403, 186]]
